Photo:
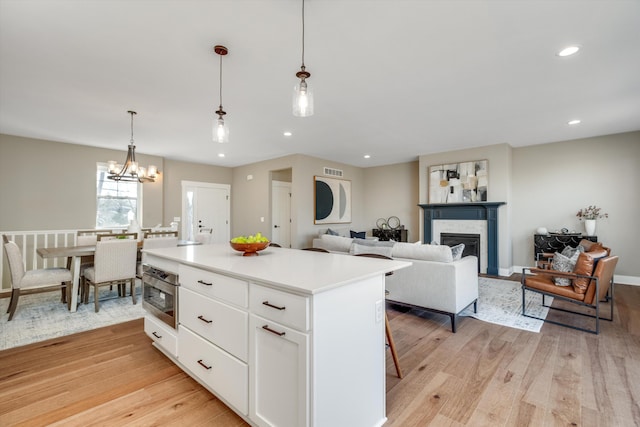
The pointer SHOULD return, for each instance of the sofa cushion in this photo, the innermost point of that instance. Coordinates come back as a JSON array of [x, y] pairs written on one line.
[[440, 253], [336, 243], [358, 234], [331, 232], [357, 249]]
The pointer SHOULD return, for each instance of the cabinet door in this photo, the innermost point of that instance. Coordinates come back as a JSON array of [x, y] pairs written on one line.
[[279, 377]]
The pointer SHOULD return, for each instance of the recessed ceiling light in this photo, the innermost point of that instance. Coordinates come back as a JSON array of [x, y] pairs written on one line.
[[573, 122], [367, 156], [287, 133], [220, 154], [569, 50]]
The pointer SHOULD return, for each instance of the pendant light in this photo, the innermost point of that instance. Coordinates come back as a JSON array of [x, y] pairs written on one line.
[[130, 171], [302, 93], [220, 129]]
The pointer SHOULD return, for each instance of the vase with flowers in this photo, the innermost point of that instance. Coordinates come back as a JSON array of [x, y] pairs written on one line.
[[589, 215]]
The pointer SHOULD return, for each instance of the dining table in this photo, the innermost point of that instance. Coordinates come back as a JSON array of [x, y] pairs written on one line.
[[74, 256]]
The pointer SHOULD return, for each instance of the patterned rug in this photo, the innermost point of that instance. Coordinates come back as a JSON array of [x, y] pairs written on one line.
[[39, 317], [500, 302]]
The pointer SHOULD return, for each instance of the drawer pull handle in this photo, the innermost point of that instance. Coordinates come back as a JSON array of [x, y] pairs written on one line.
[[156, 335], [272, 306], [267, 328], [202, 282], [201, 363], [204, 320]]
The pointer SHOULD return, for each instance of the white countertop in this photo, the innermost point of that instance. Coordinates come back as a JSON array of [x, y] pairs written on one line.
[[304, 272]]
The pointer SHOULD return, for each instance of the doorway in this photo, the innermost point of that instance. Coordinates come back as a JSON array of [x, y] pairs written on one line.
[[206, 209], [281, 213]]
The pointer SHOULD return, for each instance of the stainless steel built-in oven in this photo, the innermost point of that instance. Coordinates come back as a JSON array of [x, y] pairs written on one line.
[[160, 294]]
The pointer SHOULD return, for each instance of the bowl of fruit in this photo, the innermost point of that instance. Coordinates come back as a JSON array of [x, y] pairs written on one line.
[[249, 245]]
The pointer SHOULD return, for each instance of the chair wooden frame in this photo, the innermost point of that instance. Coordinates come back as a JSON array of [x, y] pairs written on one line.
[[152, 234], [387, 326], [594, 281]]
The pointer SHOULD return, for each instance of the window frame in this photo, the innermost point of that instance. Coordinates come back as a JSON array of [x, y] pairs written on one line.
[[103, 168]]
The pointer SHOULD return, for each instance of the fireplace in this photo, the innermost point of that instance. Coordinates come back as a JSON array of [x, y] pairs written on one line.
[[471, 243], [486, 212]]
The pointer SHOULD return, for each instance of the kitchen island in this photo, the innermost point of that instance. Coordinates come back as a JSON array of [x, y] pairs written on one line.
[[284, 338]]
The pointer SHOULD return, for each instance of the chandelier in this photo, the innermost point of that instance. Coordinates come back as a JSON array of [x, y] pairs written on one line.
[[302, 93], [130, 171], [220, 130]]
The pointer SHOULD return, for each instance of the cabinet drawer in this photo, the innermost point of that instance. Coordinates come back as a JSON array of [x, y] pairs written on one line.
[[223, 325], [215, 285], [287, 309], [161, 334], [224, 374]]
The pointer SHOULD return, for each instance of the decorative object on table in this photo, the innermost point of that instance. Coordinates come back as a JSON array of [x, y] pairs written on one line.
[[130, 171], [220, 130], [302, 93], [249, 245], [542, 230], [134, 227], [590, 214], [465, 182], [332, 200], [393, 222]]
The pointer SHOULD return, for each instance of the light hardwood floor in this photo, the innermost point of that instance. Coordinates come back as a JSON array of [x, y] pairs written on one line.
[[483, 375]]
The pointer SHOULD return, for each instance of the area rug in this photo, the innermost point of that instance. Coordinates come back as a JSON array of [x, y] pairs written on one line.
[[42, 316], [500, 302]]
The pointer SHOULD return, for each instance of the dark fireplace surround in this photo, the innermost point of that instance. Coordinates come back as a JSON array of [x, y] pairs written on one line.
[[487, 211]]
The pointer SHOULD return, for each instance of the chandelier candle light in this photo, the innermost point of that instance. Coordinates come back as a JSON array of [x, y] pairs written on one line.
[[130, 171], [302, 93], [220, 130]]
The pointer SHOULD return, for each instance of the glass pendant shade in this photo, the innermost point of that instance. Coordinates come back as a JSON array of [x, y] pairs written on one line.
[[220, 131], [302, 100]]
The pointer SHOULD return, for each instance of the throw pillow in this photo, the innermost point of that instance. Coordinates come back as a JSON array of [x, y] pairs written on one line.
[[357, 249], [331, 232], [456, 251], [569, 252], [335, 243], [358, 234], [564, 264]]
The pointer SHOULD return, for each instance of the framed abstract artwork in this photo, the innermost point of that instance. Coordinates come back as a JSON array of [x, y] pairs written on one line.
[[465, 182], [332, 200]]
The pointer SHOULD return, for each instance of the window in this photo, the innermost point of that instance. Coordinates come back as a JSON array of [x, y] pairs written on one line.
[[117, 202]]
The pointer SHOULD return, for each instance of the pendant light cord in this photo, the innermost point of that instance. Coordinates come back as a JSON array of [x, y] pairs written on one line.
[[303, 33], [132, 113], [221, 82]]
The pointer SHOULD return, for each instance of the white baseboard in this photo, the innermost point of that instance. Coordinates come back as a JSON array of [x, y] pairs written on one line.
[[619, 279]]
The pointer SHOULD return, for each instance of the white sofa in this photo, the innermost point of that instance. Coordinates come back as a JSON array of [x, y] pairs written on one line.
[[434, 282]]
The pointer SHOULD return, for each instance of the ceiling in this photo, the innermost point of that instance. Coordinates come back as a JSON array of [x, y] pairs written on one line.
[[394, 79]]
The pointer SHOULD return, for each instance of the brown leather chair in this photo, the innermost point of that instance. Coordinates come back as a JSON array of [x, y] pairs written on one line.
[[592, 282]]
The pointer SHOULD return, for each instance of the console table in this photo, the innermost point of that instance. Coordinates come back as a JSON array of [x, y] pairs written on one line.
[[397, 235], [556, 242]]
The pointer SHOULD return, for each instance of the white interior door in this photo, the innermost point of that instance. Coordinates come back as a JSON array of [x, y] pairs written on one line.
[[281, 213], [205, 207]]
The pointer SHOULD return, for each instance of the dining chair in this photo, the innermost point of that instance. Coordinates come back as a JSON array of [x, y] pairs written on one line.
[[32, 281], [114, 264], [151, 242], [387, 326]]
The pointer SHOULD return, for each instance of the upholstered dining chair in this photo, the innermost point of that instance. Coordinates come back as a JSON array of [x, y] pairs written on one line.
[[387, 326], [155, 241], [114, 264], [32, 281]]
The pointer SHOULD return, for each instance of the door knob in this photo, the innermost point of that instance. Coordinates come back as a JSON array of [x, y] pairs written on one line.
[[276, 226]]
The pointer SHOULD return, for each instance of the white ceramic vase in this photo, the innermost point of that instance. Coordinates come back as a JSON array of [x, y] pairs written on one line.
[[590, 227]]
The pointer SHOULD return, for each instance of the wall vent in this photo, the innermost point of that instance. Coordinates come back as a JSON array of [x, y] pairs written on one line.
[[333, 172]]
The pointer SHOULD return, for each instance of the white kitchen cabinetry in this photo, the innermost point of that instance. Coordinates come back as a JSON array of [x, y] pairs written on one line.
[[286, 338], [279, 392], [161, 334]]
